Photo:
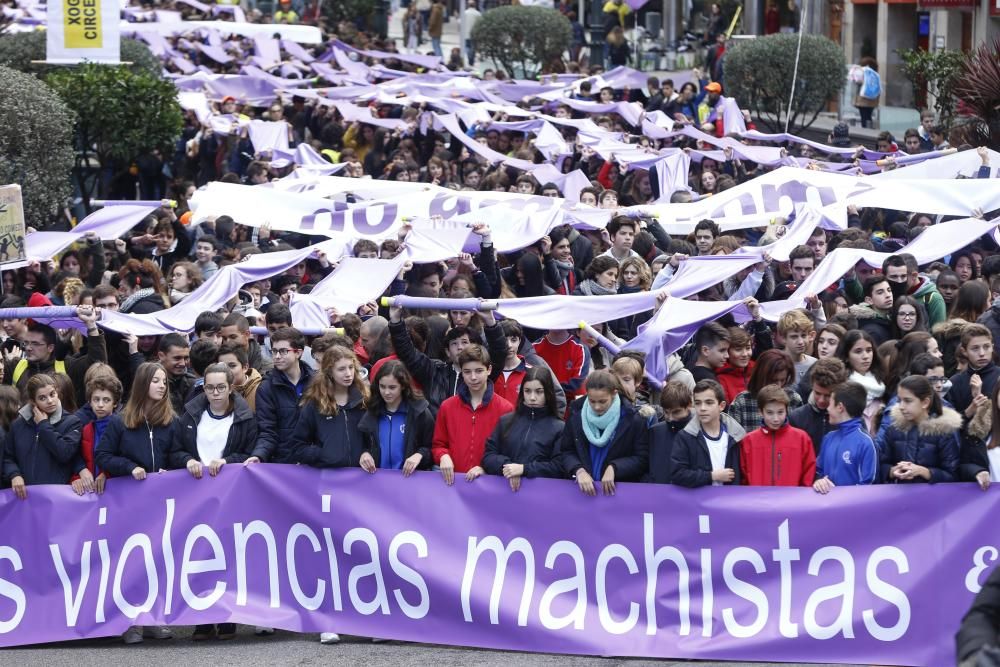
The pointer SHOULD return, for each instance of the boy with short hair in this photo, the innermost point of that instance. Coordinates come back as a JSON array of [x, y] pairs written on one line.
[[622, 231], [707, 450], [711, 342], [467, 419], [675, 400], [797, 332], [204, 254], [777, 453], [874, 315], [848, 456], [735, 373], [104, 393], [982, 374], [705, 233]]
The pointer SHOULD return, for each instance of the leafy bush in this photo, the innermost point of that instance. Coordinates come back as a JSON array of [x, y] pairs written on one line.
[[18, 50], [758, 73], [522, 40], [936, 72], [36, 134], [121, 113], [978, 89]]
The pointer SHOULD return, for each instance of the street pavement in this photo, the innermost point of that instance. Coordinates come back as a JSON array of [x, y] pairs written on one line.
[[286, 648]]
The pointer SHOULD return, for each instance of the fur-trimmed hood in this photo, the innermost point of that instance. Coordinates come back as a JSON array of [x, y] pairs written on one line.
[[981, 423], [949, 328], [947, 422], [864, 311]]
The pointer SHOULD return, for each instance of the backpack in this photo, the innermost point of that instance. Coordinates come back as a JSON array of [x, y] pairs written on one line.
[[871, 85]]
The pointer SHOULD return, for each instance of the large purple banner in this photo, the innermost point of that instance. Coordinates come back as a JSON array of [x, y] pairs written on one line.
[[863, 575]]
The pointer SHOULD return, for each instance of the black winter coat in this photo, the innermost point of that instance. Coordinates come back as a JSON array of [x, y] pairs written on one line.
[[328, 441], [960, 395], [528, 436], [981, 625], [692, 461], [439, 379], [277, 408], [813, 421], [419, 432], [120, 449], [628, 450], [46, 453], [662, 438], [934, 444], [240, 443]]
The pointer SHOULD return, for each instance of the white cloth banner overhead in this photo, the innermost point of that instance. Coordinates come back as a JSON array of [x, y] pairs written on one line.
[[83, 30], [382, 217]]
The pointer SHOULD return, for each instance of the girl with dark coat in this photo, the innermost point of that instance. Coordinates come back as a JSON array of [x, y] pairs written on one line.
[[327, 434], [43, 444], [217, 428], [524, 442], [136, 442], [922, 443], [605, 438], [398, 427]]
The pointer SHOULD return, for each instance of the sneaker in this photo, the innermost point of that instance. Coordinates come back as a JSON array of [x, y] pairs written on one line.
[[157, 632], [261, 631], [329, 638], [227, 631], [203, 632], [133, 635]]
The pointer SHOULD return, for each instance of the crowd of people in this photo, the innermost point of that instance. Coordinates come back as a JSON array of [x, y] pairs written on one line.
[[887, 376]]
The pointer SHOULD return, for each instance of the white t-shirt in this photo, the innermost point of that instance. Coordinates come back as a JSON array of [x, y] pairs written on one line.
[[213, 432], [717, 449]]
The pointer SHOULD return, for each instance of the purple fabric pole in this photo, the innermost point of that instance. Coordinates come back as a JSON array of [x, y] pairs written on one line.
[[431, 303]]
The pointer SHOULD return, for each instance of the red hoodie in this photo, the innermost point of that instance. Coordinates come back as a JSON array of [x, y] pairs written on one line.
[[461, 432], [734, 380], [778, 458]]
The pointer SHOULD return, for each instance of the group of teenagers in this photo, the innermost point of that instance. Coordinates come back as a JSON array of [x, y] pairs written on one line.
[[882, 378]]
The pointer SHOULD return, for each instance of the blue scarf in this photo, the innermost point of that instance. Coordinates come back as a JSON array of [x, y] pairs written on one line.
[[600, 428]]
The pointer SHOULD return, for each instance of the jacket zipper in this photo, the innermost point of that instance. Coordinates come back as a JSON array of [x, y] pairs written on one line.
[[773, 465], [152, 450]]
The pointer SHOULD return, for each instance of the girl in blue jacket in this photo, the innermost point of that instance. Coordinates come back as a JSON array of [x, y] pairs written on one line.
[[398, 428], [922, 443], [43, 444], [524, 442], [136, 442]]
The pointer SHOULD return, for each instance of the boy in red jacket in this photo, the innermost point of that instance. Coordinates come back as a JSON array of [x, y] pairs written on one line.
[[467, 419], [777, 454]]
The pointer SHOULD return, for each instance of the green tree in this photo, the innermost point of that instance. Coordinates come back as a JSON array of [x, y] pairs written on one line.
[[935, 73], [18, 50], [36, 135], [758, 73], [522, 40], [121, 114]]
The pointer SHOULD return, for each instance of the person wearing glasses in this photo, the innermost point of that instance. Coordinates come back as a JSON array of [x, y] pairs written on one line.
[[39, 356], [279, 396], [216, 428]]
